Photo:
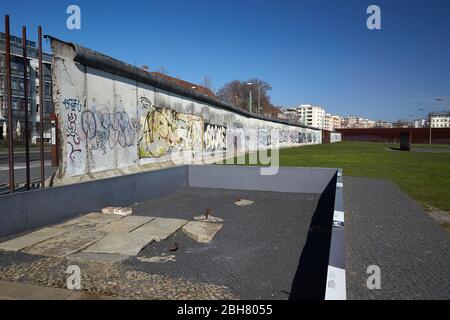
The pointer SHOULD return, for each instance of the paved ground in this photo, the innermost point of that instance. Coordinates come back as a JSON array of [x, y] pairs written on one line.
[[255, 255], [385, 227]]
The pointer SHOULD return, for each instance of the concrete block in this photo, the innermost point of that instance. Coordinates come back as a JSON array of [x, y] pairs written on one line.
[[209, 219], [244, 202], [202, 232], [31, 239], [123, 211], [108, 210]]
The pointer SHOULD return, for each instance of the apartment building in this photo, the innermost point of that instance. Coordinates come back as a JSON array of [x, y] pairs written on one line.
[[332, 122], [311, 115], [17, 86], [440, 119]]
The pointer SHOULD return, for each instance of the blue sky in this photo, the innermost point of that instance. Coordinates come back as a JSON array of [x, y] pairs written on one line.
[[313, 51]]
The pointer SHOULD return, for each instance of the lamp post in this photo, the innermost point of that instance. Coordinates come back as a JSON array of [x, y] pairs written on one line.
[[259, 98], [250, 97]]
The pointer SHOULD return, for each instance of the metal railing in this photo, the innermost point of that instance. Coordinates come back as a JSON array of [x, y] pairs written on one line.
[[10, 112]]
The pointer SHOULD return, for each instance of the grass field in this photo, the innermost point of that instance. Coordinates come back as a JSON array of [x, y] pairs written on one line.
[[424, 176]]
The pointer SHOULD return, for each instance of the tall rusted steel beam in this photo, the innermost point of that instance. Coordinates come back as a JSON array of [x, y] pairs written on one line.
[[9, 103], [25, 99], [41, 105]]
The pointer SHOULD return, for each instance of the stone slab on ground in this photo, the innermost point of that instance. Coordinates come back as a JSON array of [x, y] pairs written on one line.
[[126, 244], [92, 220], [126, 224], [130, 244], [202, 232], [67, 243], [31, 239], [97, 257], [160, 228], [208, 219]]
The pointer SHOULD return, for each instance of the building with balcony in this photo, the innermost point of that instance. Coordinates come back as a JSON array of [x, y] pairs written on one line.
[[440, 119]]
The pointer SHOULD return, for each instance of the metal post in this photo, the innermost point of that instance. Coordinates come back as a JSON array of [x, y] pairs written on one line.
[[41, 105], [250, 102], [259, 98], [9, 104], [25, 95]]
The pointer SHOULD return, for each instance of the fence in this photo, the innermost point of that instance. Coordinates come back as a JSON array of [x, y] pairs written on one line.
[[392, 135]]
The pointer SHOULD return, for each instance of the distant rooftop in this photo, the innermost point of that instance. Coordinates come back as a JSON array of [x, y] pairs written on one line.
[[185, 84]]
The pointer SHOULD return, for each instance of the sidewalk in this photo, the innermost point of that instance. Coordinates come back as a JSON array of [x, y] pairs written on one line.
[[21, 291]]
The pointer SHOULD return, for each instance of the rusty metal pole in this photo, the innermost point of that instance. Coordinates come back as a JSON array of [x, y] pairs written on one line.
[[25, 98], [41, 105], [9, 102]]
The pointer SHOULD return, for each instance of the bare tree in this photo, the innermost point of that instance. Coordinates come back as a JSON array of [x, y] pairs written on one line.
[[207, 83], [238, 93], [162, 70]]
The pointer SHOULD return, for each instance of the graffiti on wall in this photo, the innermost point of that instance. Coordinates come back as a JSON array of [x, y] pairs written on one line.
[[215, 138], [106, 130], [165, 131], [264, 137], [284, 136], [73, 141]]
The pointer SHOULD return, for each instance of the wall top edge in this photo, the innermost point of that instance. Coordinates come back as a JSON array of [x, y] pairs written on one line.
[[106, 63]]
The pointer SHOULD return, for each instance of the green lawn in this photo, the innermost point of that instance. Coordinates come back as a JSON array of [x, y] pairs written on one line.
[[424, 176]]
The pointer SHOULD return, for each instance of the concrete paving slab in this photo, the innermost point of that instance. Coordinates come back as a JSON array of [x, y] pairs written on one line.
[[92, 221], [126, 224], [67, 243], [126, 244], [160, 228], [130, 244], [97, 257], [31, 239], [202, 232]]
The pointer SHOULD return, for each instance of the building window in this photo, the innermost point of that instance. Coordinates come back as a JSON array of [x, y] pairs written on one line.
[[15, 104], [48, 106], [47, 89]]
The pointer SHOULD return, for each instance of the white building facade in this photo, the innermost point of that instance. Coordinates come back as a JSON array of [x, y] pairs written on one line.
[[311, 115], [440, 120]]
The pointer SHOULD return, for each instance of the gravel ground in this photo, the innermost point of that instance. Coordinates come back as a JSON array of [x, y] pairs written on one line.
[[385, 227], [106, 279], [257, 252]]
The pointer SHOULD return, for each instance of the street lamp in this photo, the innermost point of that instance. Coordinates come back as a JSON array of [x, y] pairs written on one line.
[[250, 98]]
